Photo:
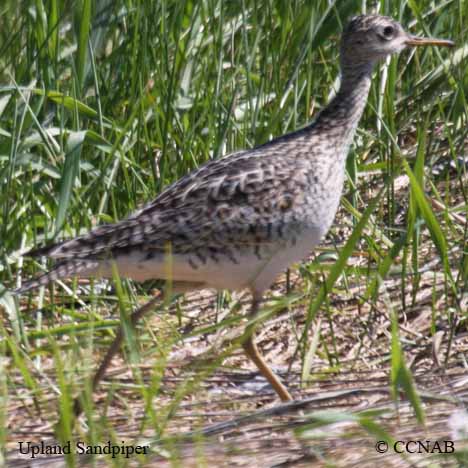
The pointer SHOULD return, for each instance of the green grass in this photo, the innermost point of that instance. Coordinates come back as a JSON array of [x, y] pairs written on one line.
[[103, 104]]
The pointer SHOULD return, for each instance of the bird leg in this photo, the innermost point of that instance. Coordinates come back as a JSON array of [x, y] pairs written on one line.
[[114, 348], [252, 352], [249, 346]]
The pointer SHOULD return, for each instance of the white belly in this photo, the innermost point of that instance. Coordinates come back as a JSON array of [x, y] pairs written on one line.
[[250, 271]]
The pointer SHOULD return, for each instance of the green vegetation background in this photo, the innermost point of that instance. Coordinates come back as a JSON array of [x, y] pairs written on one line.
[[104, 103]]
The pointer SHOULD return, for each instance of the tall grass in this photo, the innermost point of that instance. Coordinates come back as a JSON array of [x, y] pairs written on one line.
[[104, 103]]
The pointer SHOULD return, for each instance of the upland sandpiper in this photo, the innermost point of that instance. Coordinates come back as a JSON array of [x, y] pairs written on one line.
[[237, 222]]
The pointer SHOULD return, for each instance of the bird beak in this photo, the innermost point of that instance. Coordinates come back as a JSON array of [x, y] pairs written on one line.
[[425, 41]]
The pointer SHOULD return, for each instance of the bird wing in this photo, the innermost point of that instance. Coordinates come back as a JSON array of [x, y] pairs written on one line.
[[242, 198]]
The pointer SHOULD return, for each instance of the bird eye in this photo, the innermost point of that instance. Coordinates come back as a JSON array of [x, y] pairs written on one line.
[[388, 32]]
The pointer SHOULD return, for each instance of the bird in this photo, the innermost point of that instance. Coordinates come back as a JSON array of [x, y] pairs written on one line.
[[238, 221]]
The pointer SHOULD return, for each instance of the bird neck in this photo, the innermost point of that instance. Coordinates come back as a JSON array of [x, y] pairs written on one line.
[[355, 82], [337, 122]]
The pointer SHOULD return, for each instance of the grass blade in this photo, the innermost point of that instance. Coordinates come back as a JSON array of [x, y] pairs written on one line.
[[69, 176]]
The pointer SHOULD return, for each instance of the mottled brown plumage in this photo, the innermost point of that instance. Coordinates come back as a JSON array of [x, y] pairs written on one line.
[[237, 222]]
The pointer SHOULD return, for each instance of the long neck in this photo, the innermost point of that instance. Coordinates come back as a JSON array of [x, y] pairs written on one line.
[[330, 134], [337, 122]]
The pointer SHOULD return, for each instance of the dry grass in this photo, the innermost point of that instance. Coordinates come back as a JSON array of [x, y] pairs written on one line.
[[230, 418]]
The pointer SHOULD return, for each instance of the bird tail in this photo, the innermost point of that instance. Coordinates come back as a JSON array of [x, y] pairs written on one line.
[[64, 269]]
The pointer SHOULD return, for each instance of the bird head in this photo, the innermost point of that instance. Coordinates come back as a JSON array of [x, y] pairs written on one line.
[[369, 38]]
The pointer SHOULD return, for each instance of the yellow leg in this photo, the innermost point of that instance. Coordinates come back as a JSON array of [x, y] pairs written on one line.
[[252, 352]]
